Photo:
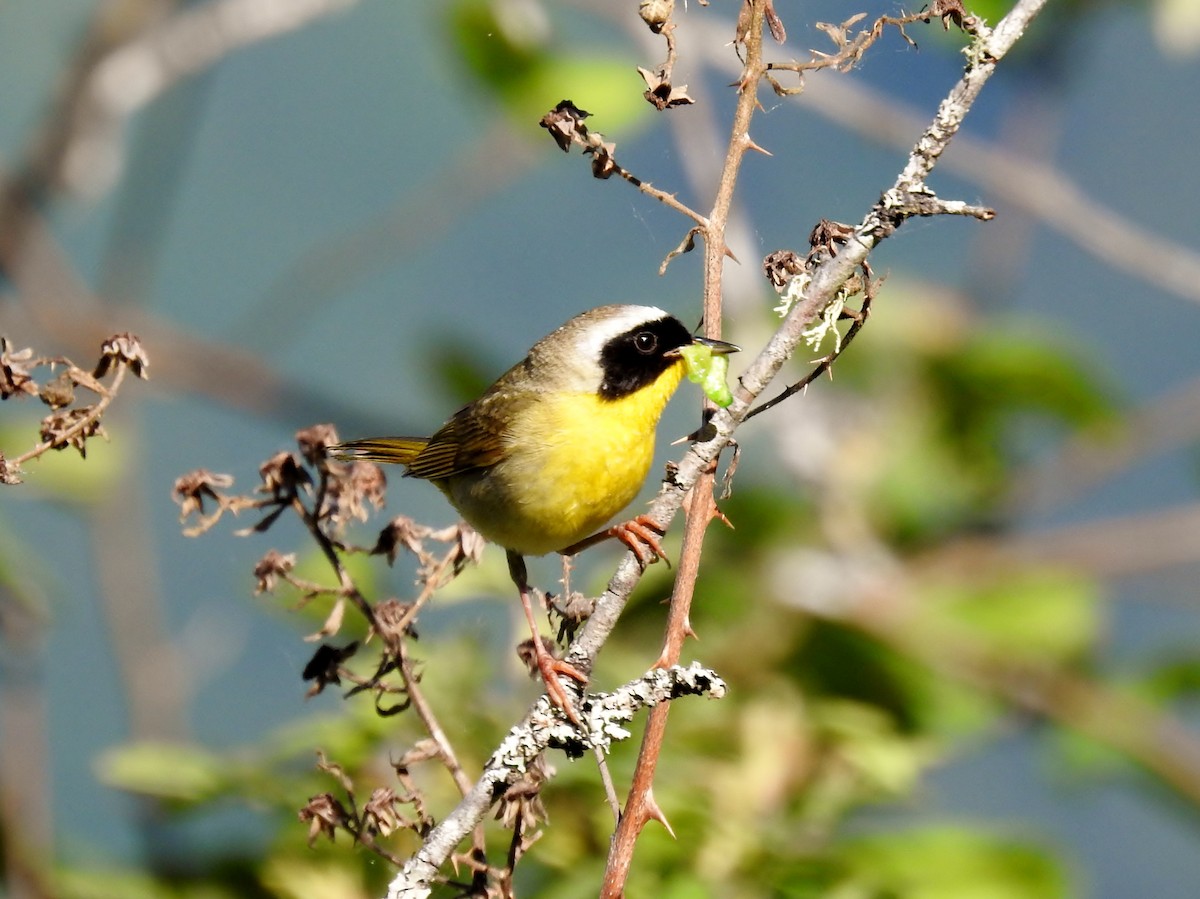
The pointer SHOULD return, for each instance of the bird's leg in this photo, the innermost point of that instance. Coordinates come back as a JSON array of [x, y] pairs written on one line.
[[548, 666], [641, 534]]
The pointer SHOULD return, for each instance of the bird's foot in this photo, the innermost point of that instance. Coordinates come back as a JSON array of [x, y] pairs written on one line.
[[537, 656], [642, 535]]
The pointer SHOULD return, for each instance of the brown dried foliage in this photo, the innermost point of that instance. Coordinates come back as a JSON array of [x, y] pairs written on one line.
[[327, 497], [72, 421]]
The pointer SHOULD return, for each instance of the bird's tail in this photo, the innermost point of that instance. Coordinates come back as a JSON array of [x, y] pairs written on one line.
[[398, 450]]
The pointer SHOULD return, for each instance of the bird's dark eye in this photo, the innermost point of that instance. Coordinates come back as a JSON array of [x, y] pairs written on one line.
[[645, 342]]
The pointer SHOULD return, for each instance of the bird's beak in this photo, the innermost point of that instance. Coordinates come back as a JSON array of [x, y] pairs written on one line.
[[720, 347]]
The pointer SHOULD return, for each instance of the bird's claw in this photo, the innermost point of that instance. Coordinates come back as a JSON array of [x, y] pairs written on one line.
[[537, 656], [642, 535]]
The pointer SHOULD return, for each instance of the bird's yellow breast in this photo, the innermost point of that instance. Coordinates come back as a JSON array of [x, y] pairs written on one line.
[[574, 460]]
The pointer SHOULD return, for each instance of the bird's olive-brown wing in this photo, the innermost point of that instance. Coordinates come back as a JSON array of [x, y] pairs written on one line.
[[475, 437]]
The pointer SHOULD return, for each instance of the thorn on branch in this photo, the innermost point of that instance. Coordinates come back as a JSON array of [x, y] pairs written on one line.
[[751, 145], [654, 812]]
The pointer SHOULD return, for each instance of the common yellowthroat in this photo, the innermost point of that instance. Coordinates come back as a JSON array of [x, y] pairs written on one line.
[[557, 446]]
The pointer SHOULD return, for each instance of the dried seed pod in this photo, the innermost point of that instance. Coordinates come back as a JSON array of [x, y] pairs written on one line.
[[656, 13]]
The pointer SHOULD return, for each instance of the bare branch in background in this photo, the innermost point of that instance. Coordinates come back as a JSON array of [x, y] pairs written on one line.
[[130, 76], [1167, 422], [133, 52], [1119, 719]]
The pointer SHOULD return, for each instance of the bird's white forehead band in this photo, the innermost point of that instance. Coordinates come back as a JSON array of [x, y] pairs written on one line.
[[620, 320]]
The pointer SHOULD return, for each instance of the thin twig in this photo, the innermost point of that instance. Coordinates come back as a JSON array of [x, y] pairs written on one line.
[[437, 733], [345, 582], [667, 199], [80, 427]]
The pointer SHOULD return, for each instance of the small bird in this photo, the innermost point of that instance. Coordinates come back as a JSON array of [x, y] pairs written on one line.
[[557, 446]]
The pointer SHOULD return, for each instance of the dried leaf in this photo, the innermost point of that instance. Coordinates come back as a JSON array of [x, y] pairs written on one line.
[[122, 349], [565, 124], [333, 622]]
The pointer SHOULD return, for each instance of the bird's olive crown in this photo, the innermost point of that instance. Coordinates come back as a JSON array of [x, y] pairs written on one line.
[[636, 358]]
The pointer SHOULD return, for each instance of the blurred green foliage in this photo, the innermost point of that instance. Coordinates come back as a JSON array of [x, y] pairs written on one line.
[[510, 54], [62, 475]]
